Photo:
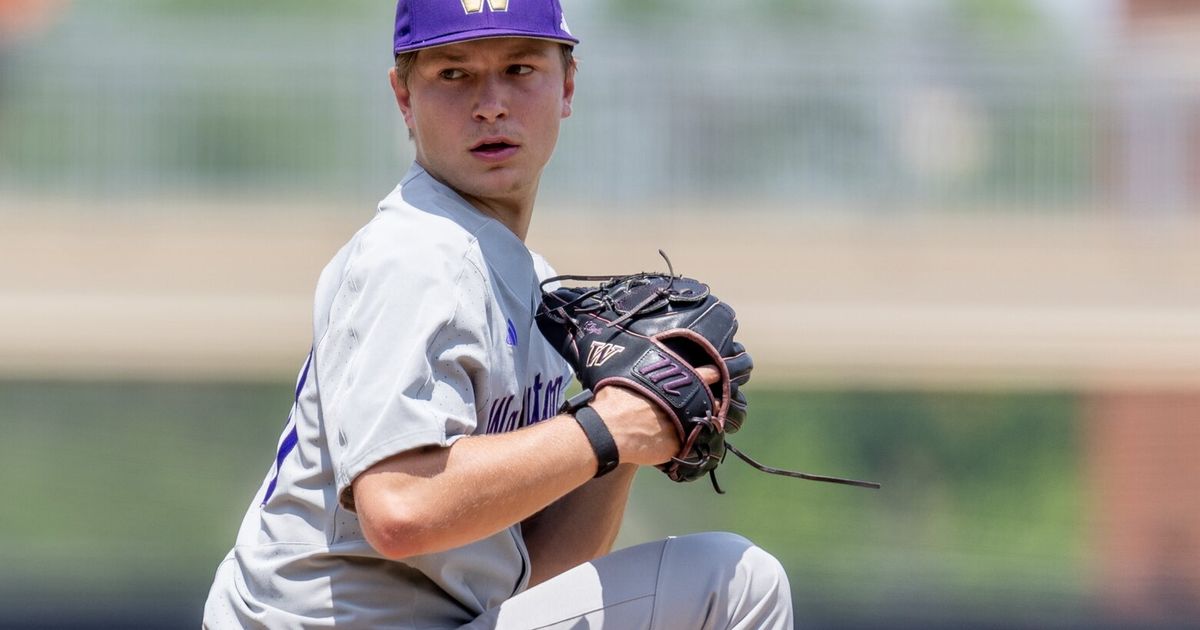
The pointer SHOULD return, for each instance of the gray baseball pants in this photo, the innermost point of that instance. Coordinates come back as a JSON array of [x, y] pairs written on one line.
[[697, 582]]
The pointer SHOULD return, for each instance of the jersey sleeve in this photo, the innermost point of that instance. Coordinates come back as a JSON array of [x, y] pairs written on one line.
[[403, 357], [541, 267]]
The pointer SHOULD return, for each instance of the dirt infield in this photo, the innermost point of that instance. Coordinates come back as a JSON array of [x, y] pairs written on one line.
[[225, 292]]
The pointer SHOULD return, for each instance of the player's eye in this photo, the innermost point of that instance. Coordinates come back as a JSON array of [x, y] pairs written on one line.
[[520, 69], [451, 74]]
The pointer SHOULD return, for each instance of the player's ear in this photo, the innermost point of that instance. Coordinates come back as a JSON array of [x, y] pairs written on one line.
[[568, 90], [403, 96]]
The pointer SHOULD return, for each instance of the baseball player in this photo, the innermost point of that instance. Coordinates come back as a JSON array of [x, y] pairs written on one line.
[[424, 478]]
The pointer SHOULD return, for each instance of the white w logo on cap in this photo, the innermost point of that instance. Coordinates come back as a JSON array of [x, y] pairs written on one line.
[[476, 6]]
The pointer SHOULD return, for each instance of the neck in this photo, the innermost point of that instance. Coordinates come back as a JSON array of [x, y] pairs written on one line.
[[514, 210], [514, 214]]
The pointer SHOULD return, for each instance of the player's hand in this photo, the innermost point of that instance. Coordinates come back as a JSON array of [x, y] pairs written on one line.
[[645, 434], [651, 332]]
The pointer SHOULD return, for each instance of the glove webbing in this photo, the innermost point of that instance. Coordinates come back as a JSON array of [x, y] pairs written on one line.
[[605, 299]]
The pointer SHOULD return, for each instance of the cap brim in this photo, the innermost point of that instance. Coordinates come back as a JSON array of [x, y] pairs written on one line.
[[488, 33]]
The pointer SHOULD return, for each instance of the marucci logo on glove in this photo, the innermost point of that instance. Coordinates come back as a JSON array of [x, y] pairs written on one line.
[[658, 371], [601, 352]]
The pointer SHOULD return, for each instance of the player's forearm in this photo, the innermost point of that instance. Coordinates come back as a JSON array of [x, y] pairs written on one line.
[[579, 527], [437, 499]]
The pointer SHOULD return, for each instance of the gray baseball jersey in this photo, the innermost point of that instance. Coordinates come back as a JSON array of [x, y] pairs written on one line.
[[423, 333]]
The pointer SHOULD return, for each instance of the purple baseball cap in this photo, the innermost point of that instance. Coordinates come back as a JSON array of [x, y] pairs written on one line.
[[429, 23]]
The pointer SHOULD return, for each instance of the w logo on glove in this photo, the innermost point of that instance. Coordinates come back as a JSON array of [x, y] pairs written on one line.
[[600, 352]]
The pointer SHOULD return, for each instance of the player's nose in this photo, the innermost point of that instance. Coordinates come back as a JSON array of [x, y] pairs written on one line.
[[491, 102]]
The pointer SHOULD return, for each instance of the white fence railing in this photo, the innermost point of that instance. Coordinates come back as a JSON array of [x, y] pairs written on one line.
[[802, 119]]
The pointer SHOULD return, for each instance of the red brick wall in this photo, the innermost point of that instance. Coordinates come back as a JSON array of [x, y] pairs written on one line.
[[1135, 10], [1143, 459]]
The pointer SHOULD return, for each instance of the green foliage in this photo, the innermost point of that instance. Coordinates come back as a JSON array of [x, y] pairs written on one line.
[[980, 504], [240, 7], [1002, 17], [775, 12], [1044, 149], [812, 13], [116, 490]]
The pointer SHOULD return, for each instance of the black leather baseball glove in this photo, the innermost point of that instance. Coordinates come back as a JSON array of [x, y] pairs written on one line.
[[650, 332]]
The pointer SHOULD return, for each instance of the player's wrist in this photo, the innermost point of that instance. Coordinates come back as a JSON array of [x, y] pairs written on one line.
[[608, 457], [601, 440], [642, 432]]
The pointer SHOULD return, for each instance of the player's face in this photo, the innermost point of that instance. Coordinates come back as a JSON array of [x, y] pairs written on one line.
[[485, 114]]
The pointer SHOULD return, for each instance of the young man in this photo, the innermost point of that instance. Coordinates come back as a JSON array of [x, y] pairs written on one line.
[[423, 479]]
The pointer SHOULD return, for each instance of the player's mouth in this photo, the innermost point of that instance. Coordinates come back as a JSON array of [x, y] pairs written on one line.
[[495, 148]]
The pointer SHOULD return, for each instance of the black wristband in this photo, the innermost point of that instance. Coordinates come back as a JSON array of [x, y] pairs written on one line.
[[578, 400], [600, 438]]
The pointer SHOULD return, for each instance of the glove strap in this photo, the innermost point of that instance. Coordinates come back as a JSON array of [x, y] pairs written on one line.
[[601, 439]]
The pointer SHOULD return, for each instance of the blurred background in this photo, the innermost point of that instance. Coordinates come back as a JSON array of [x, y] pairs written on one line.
[[962, 237]]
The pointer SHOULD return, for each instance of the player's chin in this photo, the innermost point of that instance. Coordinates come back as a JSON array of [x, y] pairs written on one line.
[[521, 170], [498, 181]]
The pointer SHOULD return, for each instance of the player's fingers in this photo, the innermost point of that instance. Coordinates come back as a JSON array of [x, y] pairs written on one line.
[[735, 417], [738, 362], [709, 374]]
